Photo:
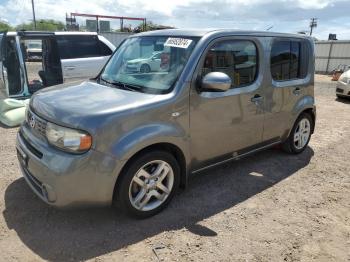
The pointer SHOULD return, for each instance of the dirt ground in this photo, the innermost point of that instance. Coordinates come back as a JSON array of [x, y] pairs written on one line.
[[267, 207]]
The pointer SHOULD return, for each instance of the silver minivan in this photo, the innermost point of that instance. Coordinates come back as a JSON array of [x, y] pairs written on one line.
[[133, 137]]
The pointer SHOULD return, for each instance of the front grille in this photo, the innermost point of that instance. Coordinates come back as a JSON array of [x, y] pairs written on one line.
[[339, 90], [36, 123], [37, 185]]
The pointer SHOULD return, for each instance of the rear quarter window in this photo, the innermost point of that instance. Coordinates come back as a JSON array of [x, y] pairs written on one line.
[[104, 49], [289, 59]]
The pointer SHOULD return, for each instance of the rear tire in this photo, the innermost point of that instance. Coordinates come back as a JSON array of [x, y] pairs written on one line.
[[342, 97], [148, 184], [300, 135]]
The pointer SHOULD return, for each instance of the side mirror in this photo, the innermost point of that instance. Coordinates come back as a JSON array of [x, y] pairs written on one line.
[[216, 81]]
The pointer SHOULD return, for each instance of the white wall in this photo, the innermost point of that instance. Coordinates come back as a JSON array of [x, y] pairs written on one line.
[[115, 37], [330, 54]]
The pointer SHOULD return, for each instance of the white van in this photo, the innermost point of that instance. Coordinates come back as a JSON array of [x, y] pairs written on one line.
[[66, 56]]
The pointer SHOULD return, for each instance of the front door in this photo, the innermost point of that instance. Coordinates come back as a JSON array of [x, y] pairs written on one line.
[[11, 70], [3, 72], [82, 68], [226, 124]]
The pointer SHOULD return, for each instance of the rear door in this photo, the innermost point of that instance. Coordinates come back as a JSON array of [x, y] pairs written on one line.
[[82, 56], [289, 84]]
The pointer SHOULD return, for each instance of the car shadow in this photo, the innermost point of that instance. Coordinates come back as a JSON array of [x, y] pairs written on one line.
[[5, 126], [75, 235], [343, 100]]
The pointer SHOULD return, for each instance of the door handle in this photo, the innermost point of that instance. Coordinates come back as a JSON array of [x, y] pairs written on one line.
[[70, 67], [297, 91], [256, 99]]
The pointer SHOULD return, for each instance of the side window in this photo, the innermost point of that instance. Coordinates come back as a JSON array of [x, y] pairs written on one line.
[[289, 60], [157, 56], [78, 46], [236, 58], [64, 47], [104, 49]]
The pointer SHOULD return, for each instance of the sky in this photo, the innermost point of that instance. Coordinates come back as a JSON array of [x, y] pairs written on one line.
[[283, 16]]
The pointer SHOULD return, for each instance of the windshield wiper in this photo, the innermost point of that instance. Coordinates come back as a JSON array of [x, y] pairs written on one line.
[[122, 85]]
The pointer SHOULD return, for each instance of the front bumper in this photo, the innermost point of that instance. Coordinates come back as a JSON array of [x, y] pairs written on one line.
[[62, 179], [133, 68], [342, 89]]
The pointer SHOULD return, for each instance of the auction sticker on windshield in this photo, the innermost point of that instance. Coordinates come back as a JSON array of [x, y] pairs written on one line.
[[178, 42]]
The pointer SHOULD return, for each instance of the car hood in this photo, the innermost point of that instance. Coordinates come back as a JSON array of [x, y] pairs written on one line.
[[345, 77], [346, 74], [77, 104], [138, 60]]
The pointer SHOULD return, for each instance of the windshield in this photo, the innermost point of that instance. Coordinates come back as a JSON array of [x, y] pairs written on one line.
[[34, 45], [149, 64]]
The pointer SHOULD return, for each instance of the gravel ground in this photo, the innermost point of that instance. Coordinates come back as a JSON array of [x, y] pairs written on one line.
[[267, 207]]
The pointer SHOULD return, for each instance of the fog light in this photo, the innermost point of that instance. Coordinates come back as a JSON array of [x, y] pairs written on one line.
[[48, 193]]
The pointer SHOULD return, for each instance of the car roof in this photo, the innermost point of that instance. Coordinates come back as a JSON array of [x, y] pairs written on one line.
[[203, 32], [47, 32]]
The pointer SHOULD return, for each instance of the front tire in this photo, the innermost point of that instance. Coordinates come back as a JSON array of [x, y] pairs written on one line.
[[145, 68], [300, 135], [148, 184]]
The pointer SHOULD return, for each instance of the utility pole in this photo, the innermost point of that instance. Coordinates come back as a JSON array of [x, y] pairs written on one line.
[[313, 23], [33, 15]]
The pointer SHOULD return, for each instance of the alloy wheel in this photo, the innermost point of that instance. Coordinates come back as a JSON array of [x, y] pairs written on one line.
[[302, 133], [151, 185]]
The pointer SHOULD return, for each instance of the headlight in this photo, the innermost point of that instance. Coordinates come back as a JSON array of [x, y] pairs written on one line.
[[345, 79], [68, 139]]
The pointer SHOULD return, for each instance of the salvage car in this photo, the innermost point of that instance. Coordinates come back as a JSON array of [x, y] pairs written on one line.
[[33, 50], [133, 139], [64, 56], [343, 85], [145, 64]]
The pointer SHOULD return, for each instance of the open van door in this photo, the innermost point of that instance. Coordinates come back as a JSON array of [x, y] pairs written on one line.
[[3, 72], [45, 70]]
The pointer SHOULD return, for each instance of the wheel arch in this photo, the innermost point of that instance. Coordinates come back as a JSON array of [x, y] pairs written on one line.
[[311, 110], [305, 104], [162, 146], [312, 113]]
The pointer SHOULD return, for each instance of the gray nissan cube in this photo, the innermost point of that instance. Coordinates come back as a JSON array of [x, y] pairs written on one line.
[[167, 104]]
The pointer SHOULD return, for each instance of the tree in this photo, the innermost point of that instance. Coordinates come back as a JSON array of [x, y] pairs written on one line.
[[42, 25], [5, 26], [150, 26]]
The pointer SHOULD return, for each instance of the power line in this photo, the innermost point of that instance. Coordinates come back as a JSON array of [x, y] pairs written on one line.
[[313, 23]]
